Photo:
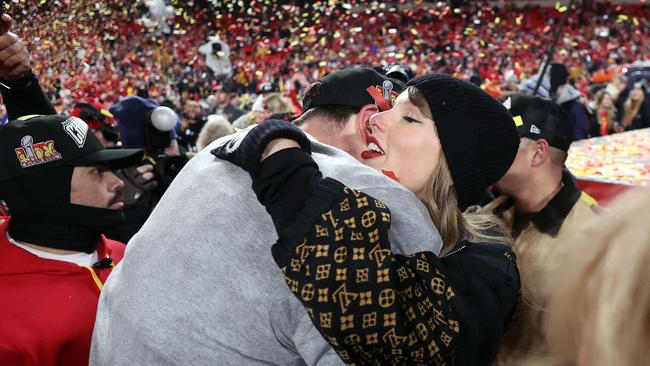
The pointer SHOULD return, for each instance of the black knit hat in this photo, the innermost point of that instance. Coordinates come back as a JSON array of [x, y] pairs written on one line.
[[538, 118], [477, 134]]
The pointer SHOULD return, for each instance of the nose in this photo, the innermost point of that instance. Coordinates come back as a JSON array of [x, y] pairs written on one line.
[[115, 183], [376, 122]]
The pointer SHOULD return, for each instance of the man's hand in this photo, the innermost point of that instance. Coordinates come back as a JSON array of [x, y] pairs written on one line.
[[145, 177], [14, 57], [246, 148]]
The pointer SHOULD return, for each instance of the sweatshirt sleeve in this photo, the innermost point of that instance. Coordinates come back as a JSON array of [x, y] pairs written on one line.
[[371, 305], [26, 97]]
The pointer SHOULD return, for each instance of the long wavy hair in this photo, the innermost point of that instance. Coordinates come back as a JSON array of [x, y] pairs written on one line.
[[600, 312], [609, 112], [440, 200]]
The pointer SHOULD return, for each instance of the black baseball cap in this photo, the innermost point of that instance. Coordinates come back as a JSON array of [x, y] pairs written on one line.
[[37, 142], [355, 87], [538, 118]]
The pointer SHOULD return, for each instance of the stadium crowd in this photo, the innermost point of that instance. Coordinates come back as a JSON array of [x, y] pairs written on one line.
[[409, 156], [119, 46]]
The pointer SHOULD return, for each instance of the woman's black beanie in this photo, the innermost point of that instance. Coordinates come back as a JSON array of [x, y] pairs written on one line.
[[477, 133]]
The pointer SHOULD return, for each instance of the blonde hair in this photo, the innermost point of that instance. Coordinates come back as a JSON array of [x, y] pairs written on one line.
[[602, 308], [610, 112], [269, 105], [275, 103], [217, 126], [441, 201]]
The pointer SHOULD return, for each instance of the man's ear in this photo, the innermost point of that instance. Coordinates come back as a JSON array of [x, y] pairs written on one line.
[[541, 153], [363, 117]]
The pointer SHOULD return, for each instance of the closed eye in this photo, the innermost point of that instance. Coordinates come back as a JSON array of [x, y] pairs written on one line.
[[411, 120]]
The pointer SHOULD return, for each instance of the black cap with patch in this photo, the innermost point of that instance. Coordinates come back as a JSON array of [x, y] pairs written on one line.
[[35, 143], [355, 87], [538, 118]]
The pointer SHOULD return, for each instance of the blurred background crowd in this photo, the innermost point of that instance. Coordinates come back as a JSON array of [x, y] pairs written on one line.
[[201, 56], [171, 76]]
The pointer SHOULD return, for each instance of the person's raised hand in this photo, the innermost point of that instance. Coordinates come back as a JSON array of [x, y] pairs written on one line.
[[14, 57], [5, 23]]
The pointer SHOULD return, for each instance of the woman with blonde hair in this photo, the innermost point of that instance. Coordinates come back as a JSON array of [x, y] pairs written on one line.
[[215, 127], [446, 140], [264, 107], [600, 315], [606, 113]]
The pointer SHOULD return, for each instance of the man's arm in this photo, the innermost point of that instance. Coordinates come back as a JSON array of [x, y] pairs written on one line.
[[21, 92]]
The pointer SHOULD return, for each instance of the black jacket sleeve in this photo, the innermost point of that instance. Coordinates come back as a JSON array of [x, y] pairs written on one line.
[[25, 97], [373, 306]]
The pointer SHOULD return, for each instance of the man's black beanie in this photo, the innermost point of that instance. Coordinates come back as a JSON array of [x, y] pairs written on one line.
[[478, 135]]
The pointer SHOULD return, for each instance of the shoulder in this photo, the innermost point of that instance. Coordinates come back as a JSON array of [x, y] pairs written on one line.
[[587, 206], [485, 274]]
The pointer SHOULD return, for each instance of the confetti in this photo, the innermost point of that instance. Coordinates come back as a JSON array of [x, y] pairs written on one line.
[[317, 37]]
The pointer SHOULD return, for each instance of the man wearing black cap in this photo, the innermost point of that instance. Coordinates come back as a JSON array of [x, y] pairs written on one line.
[[54, 259], [543, 207], [210, 275], [220, 103]]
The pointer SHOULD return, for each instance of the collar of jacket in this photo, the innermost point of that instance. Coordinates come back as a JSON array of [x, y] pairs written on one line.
[[550, 219]]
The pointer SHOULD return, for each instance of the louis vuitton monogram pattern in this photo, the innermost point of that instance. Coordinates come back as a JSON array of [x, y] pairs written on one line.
[[374, 307]]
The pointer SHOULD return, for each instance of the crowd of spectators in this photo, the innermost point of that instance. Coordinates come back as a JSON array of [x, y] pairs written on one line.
[[112, 48], [147, 84]]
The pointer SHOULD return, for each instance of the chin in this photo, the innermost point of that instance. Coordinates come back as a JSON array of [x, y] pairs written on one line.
[[372, 164]]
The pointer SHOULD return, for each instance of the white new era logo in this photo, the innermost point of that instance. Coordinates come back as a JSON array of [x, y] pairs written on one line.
[[508, 103], [535, 130]]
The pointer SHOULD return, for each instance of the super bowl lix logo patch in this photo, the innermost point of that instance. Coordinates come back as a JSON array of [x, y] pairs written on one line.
[[77, 129], [30, 153]]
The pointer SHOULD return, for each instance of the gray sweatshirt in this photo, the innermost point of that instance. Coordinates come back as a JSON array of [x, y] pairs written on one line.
[[198, 284]]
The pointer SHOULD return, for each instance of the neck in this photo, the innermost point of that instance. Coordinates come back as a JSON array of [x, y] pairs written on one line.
[[48, 249], [538, 192], [326, 133], [52, 237]]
